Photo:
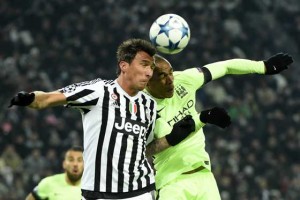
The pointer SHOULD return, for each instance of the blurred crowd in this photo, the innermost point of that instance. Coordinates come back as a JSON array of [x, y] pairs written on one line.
[[48, 44]]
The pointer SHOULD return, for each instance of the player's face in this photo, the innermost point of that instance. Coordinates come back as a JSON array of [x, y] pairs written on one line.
[[138, 72], [161, 84], [73, 165]]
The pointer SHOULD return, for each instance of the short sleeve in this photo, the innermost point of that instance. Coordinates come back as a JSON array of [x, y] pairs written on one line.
[[84, 94]]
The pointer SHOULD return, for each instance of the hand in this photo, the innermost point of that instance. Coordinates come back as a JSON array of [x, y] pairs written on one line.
[[181, 130], [22, 99], [277, 63], [217, 116]]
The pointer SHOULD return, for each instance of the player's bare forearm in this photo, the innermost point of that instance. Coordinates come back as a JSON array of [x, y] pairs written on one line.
[[180, 131], [47, 99], [157, 146]]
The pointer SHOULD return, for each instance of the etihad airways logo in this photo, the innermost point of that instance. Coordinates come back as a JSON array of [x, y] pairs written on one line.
[[131, 127], [182, 112]]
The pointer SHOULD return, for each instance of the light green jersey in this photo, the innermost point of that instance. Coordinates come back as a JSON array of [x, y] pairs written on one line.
[[56, 188], [190, 153]]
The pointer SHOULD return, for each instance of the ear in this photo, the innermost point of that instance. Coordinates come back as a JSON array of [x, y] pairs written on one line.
[[123, 66], [64, 164]]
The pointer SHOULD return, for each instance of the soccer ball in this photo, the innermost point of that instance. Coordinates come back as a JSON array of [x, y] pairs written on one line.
[[170, 33]]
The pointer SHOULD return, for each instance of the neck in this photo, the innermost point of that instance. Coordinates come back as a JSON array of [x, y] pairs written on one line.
[[74, 183], [126, 86], [150, 92]]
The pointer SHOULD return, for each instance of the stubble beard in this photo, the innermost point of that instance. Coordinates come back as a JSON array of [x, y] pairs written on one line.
[[74, 177]]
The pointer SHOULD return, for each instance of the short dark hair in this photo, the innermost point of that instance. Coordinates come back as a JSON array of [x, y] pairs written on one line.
[[129, 48], [158, 59], [73, 148]]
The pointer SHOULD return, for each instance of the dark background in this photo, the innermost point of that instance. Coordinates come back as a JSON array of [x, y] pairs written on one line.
[[48, 44]]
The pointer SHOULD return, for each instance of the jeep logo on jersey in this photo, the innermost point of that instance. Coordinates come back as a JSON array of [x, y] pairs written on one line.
[[131, 127]]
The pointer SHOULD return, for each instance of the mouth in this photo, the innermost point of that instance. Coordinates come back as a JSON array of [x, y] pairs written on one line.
[[144, 82], [170, 89]]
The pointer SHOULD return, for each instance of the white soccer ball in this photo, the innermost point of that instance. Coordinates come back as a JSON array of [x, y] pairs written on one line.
[[170, 33]]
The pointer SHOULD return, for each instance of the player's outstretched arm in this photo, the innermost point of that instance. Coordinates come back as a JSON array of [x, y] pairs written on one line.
[[273, 65], [180, 131], [38, 99], [217, 116]]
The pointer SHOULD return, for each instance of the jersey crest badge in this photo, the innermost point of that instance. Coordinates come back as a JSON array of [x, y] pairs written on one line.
[[115, 103], [133, 108], [181, 91]]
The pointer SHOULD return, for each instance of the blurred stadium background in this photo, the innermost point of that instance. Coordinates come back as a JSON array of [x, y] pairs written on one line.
[[47, 44]]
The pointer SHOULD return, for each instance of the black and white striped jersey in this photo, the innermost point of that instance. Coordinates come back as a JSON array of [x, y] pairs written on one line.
[[116, 128]]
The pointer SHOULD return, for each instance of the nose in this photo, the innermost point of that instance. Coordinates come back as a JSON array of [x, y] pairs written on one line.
[[149, 72], [75, 165], [170, 79]]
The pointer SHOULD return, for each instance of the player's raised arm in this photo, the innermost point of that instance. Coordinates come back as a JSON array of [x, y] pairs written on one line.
[[217, 116], [180, 131], [273, 65], [38, 99]]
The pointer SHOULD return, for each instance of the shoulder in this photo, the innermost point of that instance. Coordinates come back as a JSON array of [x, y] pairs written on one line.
[[49, 184], [188, 75], [52, 179], [188, 72], [95, 83], [193, 78]]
